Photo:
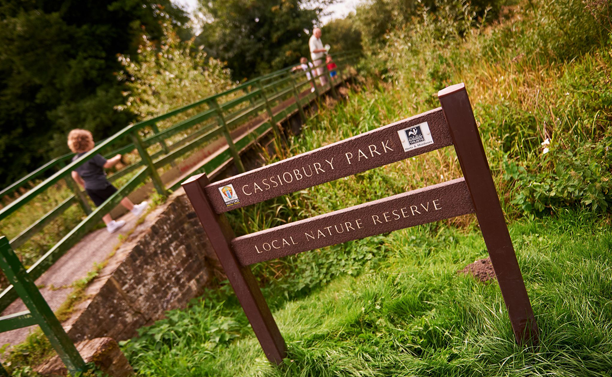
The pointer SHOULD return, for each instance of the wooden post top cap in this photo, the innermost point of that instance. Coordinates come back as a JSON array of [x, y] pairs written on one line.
[[192, 178], [451, 89]]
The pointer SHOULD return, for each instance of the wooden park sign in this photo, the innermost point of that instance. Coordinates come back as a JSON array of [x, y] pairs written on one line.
[[452, 124]]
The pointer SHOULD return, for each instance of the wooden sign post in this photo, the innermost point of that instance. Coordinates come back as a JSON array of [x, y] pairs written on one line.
[[452, 124]]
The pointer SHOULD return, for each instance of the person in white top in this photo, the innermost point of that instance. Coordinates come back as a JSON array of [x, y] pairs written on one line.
[[317, 52], [305, 66]]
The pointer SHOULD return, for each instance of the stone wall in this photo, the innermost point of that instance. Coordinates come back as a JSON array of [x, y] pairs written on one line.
[[163, 265]]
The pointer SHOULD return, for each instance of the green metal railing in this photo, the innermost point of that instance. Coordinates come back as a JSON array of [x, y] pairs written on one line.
[[207, 120], [38, 313]]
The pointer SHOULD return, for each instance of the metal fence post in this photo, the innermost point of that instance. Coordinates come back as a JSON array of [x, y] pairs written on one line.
[[146, 158], [270, 113], [247, 91], [79, 195], [274, 86], [228, 137], [297, 99], [339, 72], [162, 143], [39, 309]]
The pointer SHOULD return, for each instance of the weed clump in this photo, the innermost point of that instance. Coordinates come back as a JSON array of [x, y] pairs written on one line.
[[537, 75]]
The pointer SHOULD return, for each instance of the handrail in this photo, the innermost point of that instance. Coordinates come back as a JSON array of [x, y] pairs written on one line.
[[26, 234], [180, 126], [275, 83], [237, 101], [38, 313], [147, 122], [33, 175]]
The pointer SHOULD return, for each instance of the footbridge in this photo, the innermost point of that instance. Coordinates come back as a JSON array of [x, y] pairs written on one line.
[[216, 135]]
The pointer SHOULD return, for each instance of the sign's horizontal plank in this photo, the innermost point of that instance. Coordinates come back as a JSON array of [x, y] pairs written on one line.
[[407, 138], [438, 202]]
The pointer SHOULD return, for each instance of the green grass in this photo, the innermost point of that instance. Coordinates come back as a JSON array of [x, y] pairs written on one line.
[[394, 305], [408, 312]]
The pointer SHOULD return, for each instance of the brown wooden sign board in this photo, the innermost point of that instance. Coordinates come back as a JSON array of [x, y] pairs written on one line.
[[452, 124], [351, 156], [439, 202]]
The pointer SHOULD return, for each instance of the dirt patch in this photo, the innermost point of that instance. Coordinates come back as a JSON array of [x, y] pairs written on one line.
[[481, 270]]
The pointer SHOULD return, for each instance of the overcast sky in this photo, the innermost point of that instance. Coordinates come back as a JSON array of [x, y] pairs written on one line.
[[338, 10], [341, 9]]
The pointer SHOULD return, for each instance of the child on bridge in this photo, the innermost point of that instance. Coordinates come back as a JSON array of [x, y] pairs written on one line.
[[92, 177], [305, 66], [331, 66]]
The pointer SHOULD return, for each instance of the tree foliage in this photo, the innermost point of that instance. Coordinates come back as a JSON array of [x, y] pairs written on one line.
[[376, 18], [342, 34], [169, 74], [257, 36], [57, 65]]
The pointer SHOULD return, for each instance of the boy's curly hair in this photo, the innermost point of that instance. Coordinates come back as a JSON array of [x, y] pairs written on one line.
[[80, 141]]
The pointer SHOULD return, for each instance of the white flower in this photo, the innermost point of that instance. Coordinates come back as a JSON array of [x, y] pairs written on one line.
[[545, 151], [546, 142]]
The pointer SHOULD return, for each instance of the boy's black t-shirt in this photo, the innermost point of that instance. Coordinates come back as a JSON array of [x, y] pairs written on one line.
[[92, 172]]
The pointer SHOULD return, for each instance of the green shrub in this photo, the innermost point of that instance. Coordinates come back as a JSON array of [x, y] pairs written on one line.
[[170, 74], [569, 28], [524, 88], [565, 178]]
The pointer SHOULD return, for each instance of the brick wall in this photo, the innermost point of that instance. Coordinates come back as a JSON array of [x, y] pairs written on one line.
[[165, 263]]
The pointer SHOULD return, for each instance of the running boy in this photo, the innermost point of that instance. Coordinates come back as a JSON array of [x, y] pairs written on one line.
[[92, 177]]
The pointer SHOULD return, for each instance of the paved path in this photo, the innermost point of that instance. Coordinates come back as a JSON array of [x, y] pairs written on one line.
[[74, 265]]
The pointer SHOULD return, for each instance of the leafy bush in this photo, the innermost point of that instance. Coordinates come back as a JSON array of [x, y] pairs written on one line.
[[169, 75], [342, 35], [377, 19], [565, 178], [569, 28]]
